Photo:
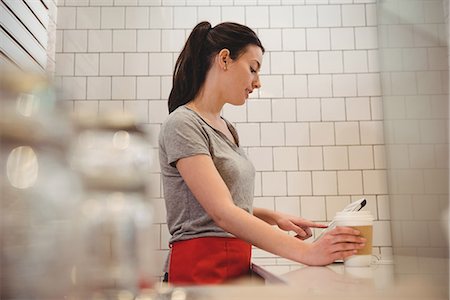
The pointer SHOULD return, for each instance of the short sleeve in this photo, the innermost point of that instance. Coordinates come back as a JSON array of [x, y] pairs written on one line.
[[183, 136]]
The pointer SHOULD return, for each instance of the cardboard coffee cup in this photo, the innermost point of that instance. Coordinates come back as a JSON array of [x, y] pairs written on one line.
[[363, 222]]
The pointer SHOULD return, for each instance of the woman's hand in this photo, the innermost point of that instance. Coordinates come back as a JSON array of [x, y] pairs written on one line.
[[299, 225], [337, 243]]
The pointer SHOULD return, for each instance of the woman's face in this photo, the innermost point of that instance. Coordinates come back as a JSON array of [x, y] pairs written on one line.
[[241, 76]]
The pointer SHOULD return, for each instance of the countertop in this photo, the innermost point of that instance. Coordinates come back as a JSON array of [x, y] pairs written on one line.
[[380, 281]]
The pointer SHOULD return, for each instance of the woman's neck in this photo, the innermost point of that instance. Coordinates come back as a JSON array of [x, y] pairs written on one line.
[[206, 105]]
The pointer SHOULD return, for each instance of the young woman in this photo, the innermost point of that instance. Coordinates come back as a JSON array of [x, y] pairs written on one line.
[[208, 180]]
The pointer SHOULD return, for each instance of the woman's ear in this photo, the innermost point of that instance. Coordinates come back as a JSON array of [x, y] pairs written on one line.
[[224, 58]]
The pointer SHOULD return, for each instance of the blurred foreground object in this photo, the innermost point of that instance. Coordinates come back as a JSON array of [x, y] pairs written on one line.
[[111, 154], [39, 192]]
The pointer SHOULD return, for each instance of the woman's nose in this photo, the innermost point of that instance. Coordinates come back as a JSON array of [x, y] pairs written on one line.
[[256, 83]]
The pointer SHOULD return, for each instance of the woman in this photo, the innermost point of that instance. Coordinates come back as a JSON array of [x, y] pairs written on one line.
[[208, 180]]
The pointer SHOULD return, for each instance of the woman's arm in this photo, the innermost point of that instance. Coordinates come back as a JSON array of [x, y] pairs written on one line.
[[209, 189], [300, 226]]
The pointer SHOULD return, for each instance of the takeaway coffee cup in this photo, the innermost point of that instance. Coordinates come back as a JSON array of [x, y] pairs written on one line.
[[363, 222]]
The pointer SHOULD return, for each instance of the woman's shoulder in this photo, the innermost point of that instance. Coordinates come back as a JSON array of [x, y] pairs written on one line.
[[181, 117]]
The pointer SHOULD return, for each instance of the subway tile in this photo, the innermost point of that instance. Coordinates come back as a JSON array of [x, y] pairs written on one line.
[[262, 158], [258, 185], [75, 41], [342, 38], [313, 208], [329, 15], [344, 85], [324, 183], [330, 62], [333, 109], [306, 62], [361, 157], [335, 204], [285, 159], [355, 61], [347, 133], [264, 202], [271, 39], [310, 158], [123, 88], [74, 88], [433, 12], [172, 40], [282, 62], [233, 14], [322, 133], [372, 132], [383, 206], [308, 109], [269, 2], [66, 17], [138, 109], [350, 182], [379, 154], [319, 85], [86, 64], [318, 39], [272, 86], [299, 183], [371, 15], [375, 181], [272, 134], [106, 107], [84, 108], [437, 58], [366, 37], [257, 16], [297, 134], [65, 63], [185, 17], [357, 109], [274, 184], [137, 17], [75, 2], [235, 113], [124, 40], [166, 86], [316, 1], [249, 134], [59, 41], [98, 88], [160, 64], [335, 158], [88, 17], [210, 14], [429, 83], [288, 205], [369, 84], [221, 2], [136, 64], [100, 40], [157, 111], [174, 2], [382, 233], [305, 16], [283, 110], [112, 17], [161, 17], [125, 2], [259, 110], [354, 15], [111, 64], [373, 61], [149, 40], [294, 39], [100, 3], [295, 86], [160, 211], [422, 156], [148, 87], [280, 16], [248, 2], [414, 59]]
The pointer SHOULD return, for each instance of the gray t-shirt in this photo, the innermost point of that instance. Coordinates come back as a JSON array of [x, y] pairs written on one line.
[[185, 134]]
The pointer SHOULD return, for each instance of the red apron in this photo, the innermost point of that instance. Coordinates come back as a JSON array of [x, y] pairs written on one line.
[[208, 260]]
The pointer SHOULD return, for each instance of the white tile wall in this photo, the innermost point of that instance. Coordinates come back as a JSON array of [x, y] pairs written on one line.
[[314, 131]]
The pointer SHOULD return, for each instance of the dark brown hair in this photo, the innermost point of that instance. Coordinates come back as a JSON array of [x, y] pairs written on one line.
[[195, 59]]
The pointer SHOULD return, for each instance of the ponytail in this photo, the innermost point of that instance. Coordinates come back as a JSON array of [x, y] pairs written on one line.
[[195, 59]]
